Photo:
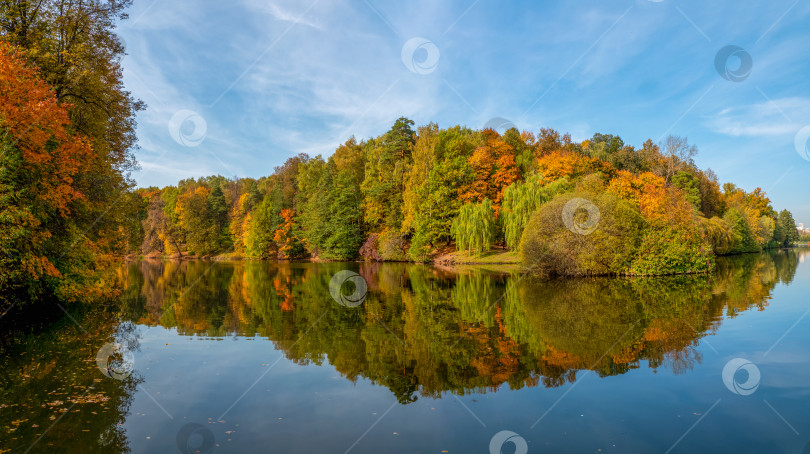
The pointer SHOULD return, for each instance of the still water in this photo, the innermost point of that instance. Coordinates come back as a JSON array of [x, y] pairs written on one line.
[[251, 357]]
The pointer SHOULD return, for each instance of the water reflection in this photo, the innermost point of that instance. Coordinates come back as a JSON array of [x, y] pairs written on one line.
[[423, 331], [53, 398]]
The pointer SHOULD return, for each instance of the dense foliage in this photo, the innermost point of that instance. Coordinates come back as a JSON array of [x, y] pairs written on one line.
[[412, 194], [67, 133]]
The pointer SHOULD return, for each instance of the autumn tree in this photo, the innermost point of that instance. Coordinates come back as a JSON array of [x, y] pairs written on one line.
[[75, 48], [571, 165], [43, 251], [494, 168], [247, 199], [549, 140], [286, 236]]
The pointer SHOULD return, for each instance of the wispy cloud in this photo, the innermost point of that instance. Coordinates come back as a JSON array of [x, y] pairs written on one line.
[[286, 15], [769, 118]]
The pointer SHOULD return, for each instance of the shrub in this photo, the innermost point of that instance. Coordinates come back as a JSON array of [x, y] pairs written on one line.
[[667, 249], [588, 247]]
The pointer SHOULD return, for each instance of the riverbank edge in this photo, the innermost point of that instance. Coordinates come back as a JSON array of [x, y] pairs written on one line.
[[503, 261]]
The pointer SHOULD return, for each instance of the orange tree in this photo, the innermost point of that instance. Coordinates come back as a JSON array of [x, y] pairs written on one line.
[[289, 245], [44, 252], [494, 168]]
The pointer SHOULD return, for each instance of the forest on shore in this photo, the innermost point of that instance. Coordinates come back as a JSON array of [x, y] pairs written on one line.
[[591, 208], [69, 209]]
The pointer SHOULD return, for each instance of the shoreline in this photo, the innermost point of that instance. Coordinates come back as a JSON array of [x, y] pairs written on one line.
[[499, 260]]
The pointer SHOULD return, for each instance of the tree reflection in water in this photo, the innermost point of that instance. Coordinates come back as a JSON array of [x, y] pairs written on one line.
[[423, 331]]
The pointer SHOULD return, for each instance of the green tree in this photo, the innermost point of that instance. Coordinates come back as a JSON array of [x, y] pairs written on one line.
[[611, 233], [197, 221], [416, 184], [743, 237], [474, 227], [387, 163], [788, 227], [439, 197], [262, 222], [218, 210], [689, 185], [520, 201]]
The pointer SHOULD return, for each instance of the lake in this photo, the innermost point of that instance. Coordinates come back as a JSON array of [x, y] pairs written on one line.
[[242, 357]]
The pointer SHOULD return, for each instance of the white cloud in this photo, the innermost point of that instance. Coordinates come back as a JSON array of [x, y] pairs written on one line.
[[783, 116], [287, 16]]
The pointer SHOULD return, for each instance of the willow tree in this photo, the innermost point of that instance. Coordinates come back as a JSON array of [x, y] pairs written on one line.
[[474, 227], [520, 200]]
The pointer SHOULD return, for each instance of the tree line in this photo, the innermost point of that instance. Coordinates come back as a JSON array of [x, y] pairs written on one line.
[[410, 194], [69, 207]]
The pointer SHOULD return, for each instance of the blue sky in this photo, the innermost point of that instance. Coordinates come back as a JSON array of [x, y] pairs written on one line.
[[235, 88]]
